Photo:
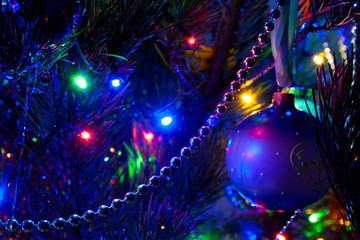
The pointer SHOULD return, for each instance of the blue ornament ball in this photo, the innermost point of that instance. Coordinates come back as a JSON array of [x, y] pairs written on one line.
[[272, 158]]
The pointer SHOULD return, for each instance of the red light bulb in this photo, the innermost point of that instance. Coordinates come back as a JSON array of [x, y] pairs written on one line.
[[85, 135], [280, 237], [191, 40], [149, 136]]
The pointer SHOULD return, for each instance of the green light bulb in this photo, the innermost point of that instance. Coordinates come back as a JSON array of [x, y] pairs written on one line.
[[315, 217], [81, 82]]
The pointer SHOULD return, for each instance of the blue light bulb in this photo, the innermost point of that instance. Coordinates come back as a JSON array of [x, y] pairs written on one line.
[[166, 121], [115, 82]]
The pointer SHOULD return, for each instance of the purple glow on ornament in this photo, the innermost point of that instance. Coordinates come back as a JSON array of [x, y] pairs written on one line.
[[272, 159]]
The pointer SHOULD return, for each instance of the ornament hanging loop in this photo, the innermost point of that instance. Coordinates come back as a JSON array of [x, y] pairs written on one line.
[[282, 40]]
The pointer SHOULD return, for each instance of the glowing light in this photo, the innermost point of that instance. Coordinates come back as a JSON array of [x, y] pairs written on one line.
[[8, 155], [112, 149], [315, 217], [106, 159], [149, 137], [280, 237], [163, 227], [318, 59], [166, 121], [115, 82], [320, 239], [309, 211], [81, 82], [328, 56], [34, 139], [247, 98], [191, 40], [85, 135], [327, 50], [347, 223]]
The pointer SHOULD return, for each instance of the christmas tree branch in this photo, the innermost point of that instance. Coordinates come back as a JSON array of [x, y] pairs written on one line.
[[338, 14], [337, 128]]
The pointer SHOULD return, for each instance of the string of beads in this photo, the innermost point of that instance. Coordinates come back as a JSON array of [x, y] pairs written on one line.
[[288, 224]]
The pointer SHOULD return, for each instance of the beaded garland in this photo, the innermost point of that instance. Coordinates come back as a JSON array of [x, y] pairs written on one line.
[[288, 223], [154, 181]]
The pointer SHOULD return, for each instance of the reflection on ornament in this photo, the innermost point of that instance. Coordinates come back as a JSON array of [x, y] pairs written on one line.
[[270, 157]]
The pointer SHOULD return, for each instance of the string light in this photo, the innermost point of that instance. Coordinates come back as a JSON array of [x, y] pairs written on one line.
[[353, 41], [318, 59], [166, 120], [85, 135], [81, 82], [115, 82], [191, 40], [247, 98], [280, 237], [327, 54], [149, 136], [315, 217]]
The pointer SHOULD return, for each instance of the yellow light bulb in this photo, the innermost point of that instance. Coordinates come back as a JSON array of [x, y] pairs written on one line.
[[246, 98], [318, 59]]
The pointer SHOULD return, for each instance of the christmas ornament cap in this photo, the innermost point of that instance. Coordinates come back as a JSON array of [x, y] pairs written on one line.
[[285, 99]]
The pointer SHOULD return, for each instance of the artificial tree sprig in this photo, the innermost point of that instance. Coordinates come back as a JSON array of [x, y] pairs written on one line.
[[337, 129]]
